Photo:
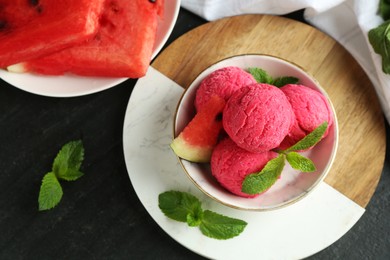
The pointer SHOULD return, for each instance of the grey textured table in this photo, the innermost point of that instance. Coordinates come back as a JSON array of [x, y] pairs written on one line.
[[100, 216]]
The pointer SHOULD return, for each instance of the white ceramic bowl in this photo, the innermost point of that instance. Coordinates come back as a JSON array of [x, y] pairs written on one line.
[[292, 186]]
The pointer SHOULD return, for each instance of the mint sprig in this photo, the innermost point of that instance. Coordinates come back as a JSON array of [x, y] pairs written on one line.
[[311, 139], [66, 166], [300, 162], [68, 161], [180, 206], [259, 182], [50, 193], [184, 207], [262, 76], [384, 9], [379, 38], [218, 226]]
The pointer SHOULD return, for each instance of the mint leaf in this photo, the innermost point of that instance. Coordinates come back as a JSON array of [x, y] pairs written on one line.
[[68, 161], [184, 207], [260, 75], [379, 38], [384, 9], [218, 226], [50, 193], [309, 140], [181, 206], [194, 220], [259, 182], [281, 81], [300, 162], [71, 175], [66, 166]]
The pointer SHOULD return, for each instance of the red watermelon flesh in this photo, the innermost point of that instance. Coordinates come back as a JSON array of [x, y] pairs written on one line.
[[198, 139], [32, 28], [122, 47]]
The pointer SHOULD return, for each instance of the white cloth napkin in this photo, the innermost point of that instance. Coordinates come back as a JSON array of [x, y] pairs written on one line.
[[347, 21]]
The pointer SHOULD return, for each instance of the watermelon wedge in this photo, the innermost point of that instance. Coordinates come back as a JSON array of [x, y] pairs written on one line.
[[32, 28], [122, 47], [198, 139]]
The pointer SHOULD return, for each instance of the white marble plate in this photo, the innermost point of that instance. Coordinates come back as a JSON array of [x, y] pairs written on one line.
[[293, 232], [71, 85]]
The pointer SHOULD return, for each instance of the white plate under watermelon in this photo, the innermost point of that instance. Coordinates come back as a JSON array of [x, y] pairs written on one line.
[[72, 86]]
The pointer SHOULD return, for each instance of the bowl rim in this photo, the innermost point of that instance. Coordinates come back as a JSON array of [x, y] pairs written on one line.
[[295, 199]]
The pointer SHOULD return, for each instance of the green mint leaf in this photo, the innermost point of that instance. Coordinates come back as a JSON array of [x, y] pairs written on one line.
[[50, 193], [259, 182], [184, 207], [68, 161], [71, 175], [260, 75], [379, 38], [181, 206], [300, 162], [281, 81], [194, 218], [309, 140], [218, 226], [384, 9]]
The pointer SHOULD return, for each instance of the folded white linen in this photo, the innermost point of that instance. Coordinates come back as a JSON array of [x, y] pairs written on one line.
[[347, 21]]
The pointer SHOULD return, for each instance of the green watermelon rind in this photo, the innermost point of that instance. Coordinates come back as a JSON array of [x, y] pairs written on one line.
[[189, 152]]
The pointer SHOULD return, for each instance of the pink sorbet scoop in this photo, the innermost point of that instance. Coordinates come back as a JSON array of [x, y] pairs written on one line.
[[230, 165], [257, 117], [311, 109], [223, 82]]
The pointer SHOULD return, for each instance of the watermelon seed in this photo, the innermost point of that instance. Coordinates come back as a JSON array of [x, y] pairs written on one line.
[[34, 2], [218, 117], [3, 25], [152, 1], [114, 7]]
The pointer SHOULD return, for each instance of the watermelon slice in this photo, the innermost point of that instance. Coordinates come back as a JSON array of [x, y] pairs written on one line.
[[32, 28], [198, 139], [122, 47]]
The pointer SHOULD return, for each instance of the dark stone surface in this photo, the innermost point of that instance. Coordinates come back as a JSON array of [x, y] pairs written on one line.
[[100, 216]]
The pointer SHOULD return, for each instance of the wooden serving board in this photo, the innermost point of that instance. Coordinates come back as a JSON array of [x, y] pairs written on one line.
[[362, 139]]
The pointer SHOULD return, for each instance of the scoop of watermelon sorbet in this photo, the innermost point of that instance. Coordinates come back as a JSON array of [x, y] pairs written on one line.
[[223, 82], [257, 117], [311, 109], [230, 165]]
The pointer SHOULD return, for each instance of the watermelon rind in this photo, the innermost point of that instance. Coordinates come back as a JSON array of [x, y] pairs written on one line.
[[190, 152], [16, 68]]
